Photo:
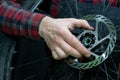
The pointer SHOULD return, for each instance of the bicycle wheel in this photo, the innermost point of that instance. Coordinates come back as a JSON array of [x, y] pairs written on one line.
[[103, 44]]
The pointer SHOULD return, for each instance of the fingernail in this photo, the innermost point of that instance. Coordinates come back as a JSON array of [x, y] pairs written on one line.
[[88, 54], [91, 28]]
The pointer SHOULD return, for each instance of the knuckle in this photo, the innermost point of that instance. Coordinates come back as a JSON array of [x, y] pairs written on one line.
[[61, 31], [56, 40], [68, 50], [73, 41], [63, 55], [71, 18], [85, 21], [71, 51], [56, 57]]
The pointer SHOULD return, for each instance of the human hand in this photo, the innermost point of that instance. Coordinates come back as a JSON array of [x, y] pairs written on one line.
[[57, 35]]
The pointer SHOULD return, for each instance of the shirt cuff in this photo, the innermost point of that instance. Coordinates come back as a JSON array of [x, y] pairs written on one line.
[[33, 25]]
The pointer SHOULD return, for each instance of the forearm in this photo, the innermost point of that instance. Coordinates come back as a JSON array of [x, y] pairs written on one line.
[[19, 22]]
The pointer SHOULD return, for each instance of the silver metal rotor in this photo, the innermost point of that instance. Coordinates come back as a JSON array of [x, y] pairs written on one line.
[[90, 41]]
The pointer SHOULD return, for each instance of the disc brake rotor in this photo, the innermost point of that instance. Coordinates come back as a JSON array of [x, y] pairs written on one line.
[[92, 41]]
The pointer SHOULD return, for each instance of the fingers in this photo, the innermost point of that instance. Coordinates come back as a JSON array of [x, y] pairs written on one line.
[[69, 50], [59, 53], [64, 50], [81, 24], [75, 43], [55, 56], [61, 41]]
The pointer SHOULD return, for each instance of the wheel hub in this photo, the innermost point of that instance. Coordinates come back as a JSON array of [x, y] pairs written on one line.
[[88, 39]]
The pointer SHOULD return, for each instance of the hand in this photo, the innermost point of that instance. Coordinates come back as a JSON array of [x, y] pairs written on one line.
[[62, 43]]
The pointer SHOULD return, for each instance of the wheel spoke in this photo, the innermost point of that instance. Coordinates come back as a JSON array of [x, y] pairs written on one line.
[[69, 7], [106, 73], [62, 71], [32, 62]]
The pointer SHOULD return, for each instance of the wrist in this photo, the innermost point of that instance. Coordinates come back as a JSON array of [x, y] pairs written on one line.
[[45, 22]]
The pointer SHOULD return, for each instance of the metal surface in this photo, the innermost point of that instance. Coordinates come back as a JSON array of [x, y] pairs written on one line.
[[92, 43]]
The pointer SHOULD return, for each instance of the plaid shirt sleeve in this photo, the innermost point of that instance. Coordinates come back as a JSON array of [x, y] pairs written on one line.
[[17, 21]]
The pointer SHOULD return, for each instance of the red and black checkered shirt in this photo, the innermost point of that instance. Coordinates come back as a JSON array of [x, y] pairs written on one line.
[[16, 21]]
